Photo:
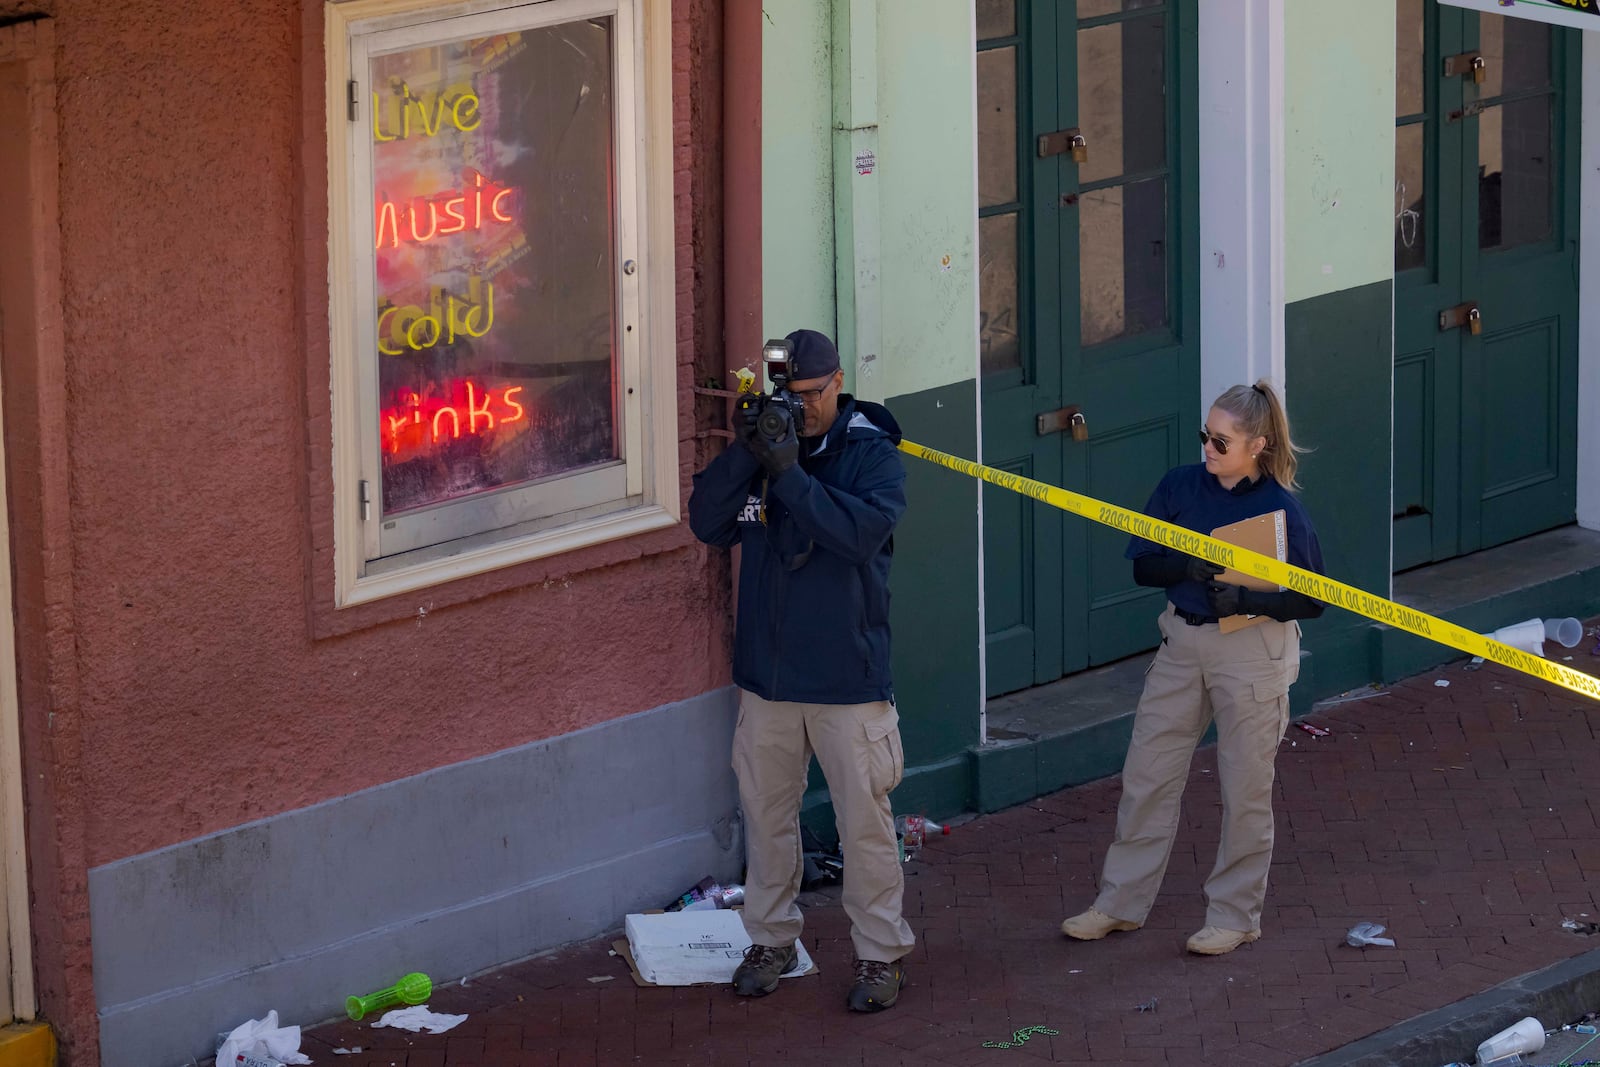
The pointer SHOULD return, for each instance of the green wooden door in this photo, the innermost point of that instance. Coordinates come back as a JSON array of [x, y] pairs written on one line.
[[1486, 183], [1089, 301]]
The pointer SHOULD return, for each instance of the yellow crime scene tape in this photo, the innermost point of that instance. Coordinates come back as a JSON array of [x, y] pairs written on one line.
[[1247, 562]]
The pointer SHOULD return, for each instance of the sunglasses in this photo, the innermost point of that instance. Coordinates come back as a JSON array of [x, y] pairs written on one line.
[[1220, 442]]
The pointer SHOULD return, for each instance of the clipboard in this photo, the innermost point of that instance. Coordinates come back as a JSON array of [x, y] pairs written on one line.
[[1267, 534]]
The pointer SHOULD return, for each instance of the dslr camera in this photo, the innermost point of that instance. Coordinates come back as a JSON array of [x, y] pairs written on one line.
[[777, 414]]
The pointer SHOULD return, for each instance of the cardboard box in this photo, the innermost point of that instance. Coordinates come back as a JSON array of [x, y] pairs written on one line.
[[690, 948]]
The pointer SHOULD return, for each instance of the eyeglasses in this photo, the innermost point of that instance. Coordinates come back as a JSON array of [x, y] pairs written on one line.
[[812, 396], [1220, 442]]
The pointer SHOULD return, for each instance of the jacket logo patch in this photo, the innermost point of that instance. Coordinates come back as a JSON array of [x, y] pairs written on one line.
[[751, 512]]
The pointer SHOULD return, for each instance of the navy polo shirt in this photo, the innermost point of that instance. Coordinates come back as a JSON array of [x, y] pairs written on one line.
[[1192, 497]]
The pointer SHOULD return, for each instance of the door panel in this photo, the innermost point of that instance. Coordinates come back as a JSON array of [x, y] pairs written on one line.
[[1085, 303], [1414, 475], [1124, 465], [1019, 626], [1486, 186]]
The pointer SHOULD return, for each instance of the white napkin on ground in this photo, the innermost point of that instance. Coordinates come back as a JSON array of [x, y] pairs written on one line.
[[419, 1018]]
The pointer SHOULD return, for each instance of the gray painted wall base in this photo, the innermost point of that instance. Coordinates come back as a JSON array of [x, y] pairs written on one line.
[[449, 872]]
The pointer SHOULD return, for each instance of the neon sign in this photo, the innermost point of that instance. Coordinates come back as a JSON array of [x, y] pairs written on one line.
[[420, 420], [418, 329], [455, 203], [462, 112]]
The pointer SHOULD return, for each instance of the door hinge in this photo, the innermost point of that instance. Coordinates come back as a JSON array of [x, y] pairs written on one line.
[[350, 100], [366, 500]]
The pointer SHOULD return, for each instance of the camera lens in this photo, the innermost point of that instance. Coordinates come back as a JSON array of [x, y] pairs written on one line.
[[773, 423]]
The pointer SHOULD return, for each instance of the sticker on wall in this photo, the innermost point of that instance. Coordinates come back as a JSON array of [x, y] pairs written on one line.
[[944, 263], [865, 162]]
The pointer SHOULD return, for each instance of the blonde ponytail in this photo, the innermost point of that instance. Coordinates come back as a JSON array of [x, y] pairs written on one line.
[[1258, 412]]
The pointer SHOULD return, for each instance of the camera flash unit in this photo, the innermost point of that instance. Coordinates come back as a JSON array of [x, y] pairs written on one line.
[[777, 352]]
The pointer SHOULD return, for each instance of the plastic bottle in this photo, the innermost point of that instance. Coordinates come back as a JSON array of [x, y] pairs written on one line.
[[914, 830]]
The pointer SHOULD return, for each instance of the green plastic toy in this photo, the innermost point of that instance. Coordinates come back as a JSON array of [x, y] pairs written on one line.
[[414, 988]]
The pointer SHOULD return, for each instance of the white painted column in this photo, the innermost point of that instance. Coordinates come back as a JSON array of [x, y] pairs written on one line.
[[1241, 194], [1588, 275], [855, 191]]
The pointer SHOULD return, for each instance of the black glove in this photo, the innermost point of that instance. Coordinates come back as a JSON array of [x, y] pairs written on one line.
[[1225, 600], [1166, 571], [777, 456], [742, 421]]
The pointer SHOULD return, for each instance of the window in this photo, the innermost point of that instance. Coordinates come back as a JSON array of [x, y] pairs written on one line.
[[500, 284]]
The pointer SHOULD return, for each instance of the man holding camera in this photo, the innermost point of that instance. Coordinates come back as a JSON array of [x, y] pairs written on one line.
[[813, 499]]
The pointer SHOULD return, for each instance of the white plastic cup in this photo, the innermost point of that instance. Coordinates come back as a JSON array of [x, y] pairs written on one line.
[[1564, 632], [1516, 1040], [1527, 635]]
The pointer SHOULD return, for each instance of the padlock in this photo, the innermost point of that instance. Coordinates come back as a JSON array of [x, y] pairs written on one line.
[[1480, 69], [1475, 322], [1080, 427], [1080, 148]]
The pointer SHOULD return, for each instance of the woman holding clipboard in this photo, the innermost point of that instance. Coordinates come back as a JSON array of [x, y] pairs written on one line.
[[1212, 664]]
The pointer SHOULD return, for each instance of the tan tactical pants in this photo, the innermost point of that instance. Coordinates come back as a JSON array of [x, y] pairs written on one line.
[[1242, 679], [858, 746]]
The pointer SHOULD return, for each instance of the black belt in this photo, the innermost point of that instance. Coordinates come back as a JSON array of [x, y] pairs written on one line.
[[1191, 618]]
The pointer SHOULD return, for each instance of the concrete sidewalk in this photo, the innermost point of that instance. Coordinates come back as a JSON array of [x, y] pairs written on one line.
[[1462, 817]]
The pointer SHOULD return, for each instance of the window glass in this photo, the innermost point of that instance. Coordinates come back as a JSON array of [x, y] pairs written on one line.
[[1410, 197], [496, 321], [1517, 55], [1122, 239], [997, 126], [996, 18], [1093, 8], [1410, 49], [998, 320], [1122, 97], [1516, 183]]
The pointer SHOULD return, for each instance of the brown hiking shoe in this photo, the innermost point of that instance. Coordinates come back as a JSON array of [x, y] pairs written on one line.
[[1094, 924], [877, 985], [762, 967]]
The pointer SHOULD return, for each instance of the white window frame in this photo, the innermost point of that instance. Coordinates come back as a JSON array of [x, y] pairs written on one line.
[[633, 495]]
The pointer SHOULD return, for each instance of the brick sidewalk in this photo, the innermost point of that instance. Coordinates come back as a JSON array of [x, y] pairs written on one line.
[[1459, 817]]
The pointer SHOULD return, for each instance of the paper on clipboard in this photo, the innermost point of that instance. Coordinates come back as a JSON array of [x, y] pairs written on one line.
[[1267, 534]]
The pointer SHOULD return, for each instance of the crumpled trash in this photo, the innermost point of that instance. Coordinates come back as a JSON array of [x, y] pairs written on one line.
[[1362, 934], [262, 1038], [821, 865], [417, 1019]]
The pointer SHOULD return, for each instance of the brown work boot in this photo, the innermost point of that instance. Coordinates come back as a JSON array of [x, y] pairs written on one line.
[[1094, 924], [762, 967], [1218, 941], [877, 985]]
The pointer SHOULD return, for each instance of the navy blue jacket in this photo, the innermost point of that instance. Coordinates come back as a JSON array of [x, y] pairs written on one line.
[[813, 622], [1190, 496]]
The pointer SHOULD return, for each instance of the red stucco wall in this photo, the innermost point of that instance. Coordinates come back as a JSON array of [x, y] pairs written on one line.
[[191, 679], [206, 699]]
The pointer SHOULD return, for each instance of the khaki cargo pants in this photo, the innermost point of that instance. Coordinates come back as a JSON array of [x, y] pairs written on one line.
[[858, 747], [1241, 679]]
